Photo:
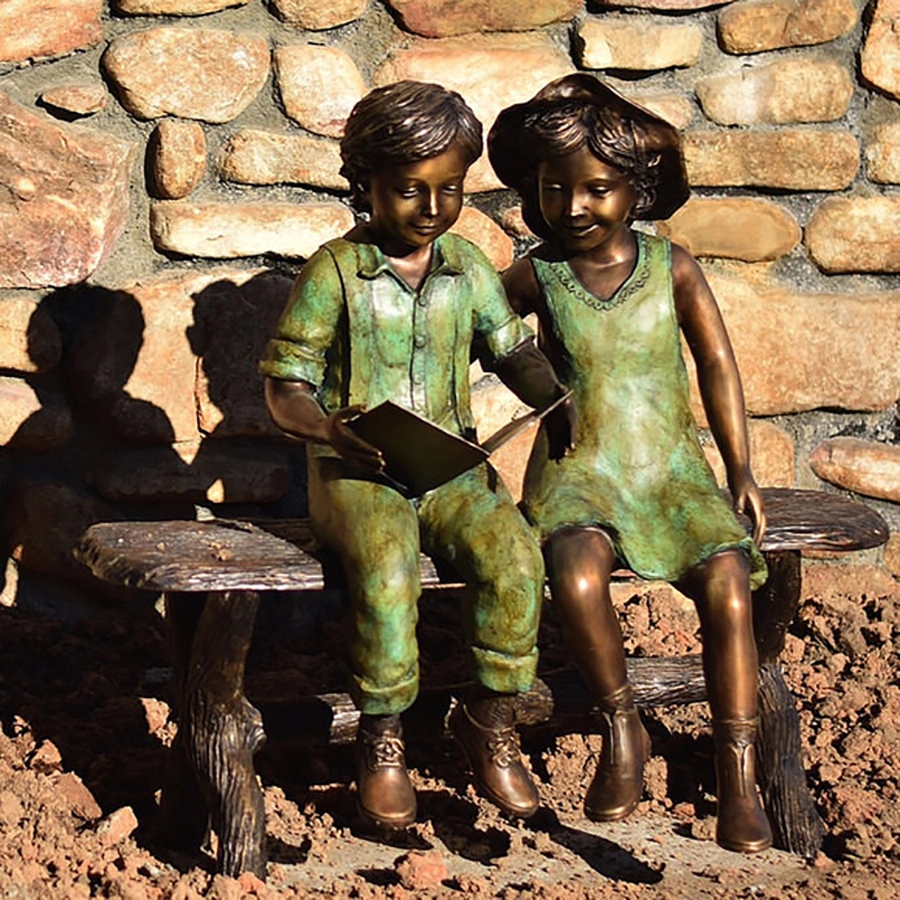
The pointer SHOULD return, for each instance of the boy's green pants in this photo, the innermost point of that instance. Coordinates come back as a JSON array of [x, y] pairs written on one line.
[[471, 523]]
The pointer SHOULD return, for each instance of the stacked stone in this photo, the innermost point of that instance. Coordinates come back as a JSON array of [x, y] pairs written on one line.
[[143, 143]]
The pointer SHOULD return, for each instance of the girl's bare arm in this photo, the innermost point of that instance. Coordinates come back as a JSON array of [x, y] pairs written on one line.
[[719, 380]]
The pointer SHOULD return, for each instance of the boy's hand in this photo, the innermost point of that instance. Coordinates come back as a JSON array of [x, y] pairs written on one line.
[[530, 376], [561, 425], [294, 409], [748, 500], [350, 446]]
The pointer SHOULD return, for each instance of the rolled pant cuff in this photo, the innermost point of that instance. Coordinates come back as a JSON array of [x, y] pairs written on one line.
[[502, 673], [385, 701]]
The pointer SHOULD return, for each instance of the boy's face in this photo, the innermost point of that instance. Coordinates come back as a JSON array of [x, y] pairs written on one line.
[[413, 204], [583, 200]]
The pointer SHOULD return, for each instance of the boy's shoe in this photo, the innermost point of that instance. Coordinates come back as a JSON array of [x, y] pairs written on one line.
[[384, 793], [492, 751]]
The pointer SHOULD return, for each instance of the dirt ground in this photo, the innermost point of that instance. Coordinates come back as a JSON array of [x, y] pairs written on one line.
[[86, 719]]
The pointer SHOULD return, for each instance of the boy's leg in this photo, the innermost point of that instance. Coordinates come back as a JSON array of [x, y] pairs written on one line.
[[375, 532], [579, 564], [472, 523], [720, 587]]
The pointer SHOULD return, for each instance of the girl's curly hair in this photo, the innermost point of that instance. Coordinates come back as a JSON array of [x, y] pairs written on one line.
[[580, 111], [612, 138]]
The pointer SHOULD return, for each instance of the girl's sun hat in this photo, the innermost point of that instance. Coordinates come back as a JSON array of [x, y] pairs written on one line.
[[516, 167]]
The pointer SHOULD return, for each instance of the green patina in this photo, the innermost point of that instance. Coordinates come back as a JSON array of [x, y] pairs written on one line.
[[638, 470], [359, 334]]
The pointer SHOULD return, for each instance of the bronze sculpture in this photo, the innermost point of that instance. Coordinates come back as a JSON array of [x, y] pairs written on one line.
[[391, 311], [611, 302]]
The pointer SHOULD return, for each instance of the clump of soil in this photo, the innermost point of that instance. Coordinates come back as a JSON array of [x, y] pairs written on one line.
[[86, 713]]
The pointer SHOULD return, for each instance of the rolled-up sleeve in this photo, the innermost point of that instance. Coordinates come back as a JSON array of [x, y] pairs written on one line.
[[498, 328], [308, 325]]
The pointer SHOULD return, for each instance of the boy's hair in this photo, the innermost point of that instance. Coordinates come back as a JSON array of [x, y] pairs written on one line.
[[401, 123], [580, 111]]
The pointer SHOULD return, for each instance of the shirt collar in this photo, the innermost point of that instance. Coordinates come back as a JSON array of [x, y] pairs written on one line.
[[444, 261]]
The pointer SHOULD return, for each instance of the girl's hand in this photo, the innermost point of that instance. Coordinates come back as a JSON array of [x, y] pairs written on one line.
[[748, 500], [342, 438]]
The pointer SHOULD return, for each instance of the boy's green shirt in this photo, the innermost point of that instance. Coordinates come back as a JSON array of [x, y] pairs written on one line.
[[360, 335]]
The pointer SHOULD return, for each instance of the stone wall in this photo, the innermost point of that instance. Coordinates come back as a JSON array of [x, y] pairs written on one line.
[[167, 165]]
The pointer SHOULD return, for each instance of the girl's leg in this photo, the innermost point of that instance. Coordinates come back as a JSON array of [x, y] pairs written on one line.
[[579, 563], [721, 589]]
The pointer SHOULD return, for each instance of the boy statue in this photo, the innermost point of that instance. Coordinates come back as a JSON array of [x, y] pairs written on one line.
[[392, 310]]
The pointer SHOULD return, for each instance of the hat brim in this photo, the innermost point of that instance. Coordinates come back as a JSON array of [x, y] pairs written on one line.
[[515, 169]]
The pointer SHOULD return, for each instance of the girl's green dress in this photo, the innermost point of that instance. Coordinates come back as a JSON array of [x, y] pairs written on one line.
[[638, 470]]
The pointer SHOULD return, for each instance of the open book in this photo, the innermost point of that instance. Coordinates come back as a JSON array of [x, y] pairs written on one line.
[[419, 455]]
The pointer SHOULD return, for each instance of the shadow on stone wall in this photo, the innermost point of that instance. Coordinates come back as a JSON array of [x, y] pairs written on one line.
[[131, 426], [106, 441]]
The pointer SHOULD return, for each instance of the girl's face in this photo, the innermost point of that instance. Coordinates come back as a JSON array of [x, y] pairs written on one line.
[[413, 204], [584, 201]]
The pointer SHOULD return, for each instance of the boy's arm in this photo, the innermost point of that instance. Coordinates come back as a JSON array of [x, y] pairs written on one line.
[[294, 364], [294, 409], [719, 380], [529, 375], [521, 287], [527, 372]]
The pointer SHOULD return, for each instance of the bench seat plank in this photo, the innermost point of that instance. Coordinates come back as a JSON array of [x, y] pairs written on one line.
[[276, 555], [814, 520], [218, 555]]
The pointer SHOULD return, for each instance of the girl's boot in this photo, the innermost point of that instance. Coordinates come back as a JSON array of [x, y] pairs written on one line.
[[618, 782], [742, 825]]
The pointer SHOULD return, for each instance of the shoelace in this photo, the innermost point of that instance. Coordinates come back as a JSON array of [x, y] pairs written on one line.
[[385, 751], [504, 747]]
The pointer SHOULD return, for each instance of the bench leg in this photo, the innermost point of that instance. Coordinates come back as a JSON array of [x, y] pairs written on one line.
[[796, 825], [184, 814], [222, 730]]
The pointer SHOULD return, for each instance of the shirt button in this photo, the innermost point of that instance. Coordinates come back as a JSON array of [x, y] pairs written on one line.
[[422, 300], [420, 340], [418, 378]]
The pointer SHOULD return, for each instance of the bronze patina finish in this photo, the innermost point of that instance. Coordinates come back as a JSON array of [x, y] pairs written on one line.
[[610, 303], [221, 565], [391, 311]]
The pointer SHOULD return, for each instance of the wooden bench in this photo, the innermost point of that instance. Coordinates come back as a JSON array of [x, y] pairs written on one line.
[[211, 574]]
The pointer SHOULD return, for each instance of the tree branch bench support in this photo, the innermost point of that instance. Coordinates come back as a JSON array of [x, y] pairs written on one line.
[[212, 572], [219, 731]]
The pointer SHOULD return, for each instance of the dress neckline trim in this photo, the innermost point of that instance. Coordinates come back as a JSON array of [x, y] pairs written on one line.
[[636, 280]]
